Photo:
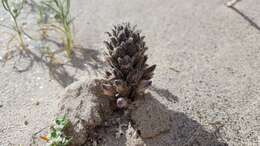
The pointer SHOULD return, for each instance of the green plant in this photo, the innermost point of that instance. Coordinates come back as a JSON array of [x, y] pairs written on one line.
[[129, 75], [14, 9], [61, 12], [56, 137]]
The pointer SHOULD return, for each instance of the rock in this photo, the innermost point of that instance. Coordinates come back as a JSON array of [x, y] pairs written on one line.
[[83, 108], [26, 123], [149, 116], [37, 103]]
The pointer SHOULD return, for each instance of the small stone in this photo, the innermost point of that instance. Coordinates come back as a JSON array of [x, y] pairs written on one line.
[[26, 123], [1, 105], [37, 103]]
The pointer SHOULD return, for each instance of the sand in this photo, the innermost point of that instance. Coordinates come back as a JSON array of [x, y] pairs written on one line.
[[208, 74]]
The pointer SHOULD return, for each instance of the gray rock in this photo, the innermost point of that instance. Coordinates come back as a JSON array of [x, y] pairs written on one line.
[[84, 109], [149, 117]]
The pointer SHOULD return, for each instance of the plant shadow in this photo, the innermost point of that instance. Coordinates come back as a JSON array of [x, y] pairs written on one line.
[[248, 19], [56, 70], [83, 59], [165, 93]]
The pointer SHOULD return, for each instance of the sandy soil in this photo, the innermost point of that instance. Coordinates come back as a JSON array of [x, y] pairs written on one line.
[[208, 73]]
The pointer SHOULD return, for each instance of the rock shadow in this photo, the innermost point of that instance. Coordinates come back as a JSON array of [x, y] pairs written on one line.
[[184, 131]]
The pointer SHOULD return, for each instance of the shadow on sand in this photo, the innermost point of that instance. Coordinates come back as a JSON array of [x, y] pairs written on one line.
[[165, 93], [184, 131], [83, 59], [249, 20]]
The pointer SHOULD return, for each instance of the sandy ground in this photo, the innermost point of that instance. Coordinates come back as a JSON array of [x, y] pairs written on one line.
[[208, 72]]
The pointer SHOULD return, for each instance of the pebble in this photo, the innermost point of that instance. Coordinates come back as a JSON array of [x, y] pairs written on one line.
[[1, 105], [26, 123]]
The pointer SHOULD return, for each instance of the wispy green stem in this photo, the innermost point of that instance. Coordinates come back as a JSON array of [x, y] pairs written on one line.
[[14, 13], [61, 10]]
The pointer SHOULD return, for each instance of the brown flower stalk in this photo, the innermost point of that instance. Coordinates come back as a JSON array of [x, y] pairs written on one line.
[[128, 75]]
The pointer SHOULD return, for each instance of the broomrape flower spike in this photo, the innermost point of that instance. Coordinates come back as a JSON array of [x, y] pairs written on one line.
[[14, 9], [129, 75]]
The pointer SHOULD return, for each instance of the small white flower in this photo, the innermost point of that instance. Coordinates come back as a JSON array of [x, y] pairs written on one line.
[[121, 103]]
